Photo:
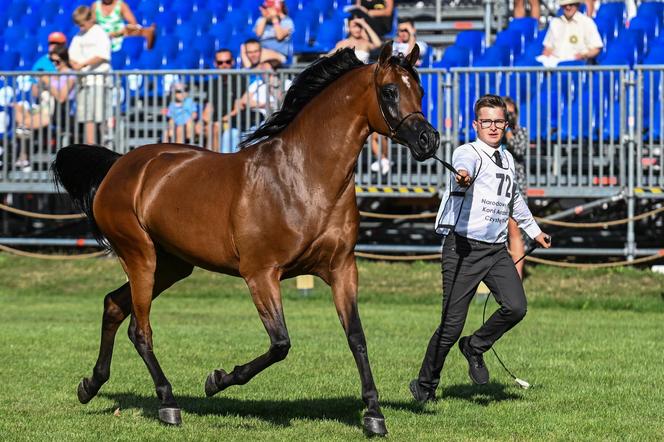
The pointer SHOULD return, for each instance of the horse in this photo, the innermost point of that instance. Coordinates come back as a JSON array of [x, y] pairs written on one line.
[[282, 206]]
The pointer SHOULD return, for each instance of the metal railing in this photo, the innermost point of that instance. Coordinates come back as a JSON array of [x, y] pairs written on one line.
[[594, 131]]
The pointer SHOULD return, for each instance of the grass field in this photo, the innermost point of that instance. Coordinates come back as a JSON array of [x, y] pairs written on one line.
[[591, 346]]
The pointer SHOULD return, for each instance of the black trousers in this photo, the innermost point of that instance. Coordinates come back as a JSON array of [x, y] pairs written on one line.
[[465, 264]]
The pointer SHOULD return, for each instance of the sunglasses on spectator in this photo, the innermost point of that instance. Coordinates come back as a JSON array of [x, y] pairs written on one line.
[[403, 30], [500, 124], [222, 61], [179, 91], [55, 61]]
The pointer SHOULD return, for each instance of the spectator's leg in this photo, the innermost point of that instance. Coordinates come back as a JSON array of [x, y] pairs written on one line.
[[215, 136], [535, 9], [90, 132], [269, 54], [519, 8], [516, 246]]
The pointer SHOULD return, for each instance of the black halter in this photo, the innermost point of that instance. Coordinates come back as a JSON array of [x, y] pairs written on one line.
[[393, 130]]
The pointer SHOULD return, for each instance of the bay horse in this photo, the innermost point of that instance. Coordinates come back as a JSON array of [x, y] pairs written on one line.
[[283, 205]]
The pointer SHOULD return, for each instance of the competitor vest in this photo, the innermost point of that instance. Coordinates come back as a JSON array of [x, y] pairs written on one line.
[[481, 211]]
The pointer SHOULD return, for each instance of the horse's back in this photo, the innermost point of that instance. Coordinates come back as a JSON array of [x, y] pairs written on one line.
[[181, 196]]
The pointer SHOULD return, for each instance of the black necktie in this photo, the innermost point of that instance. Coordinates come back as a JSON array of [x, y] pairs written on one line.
[[499, 161]]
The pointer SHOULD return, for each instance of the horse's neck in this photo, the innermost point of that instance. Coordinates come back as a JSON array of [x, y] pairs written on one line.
[[337, 126]]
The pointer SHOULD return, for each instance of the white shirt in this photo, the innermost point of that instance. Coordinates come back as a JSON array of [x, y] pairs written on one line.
[[481, 211], [94, 43], [577, 35], [264, 96]]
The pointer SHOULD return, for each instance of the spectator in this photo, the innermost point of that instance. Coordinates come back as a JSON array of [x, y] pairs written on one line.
[[251, 53], [361, 38], [90, 52], [182, 114], [379, 14], [222, 92], [111, 15], [275, 30], [53, 93], [520, 8], [407, 39], [573, 36], [263, 95], [516, 142], [44, 63]]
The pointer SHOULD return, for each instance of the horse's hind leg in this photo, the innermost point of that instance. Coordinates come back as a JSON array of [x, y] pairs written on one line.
[[266, 295], [344, 292], [117, 306], [147, 280]]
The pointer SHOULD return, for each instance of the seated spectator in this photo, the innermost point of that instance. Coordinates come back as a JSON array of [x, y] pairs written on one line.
[[111, 15], [379, 14], [251, 53], [275, 30], [44, 63], [53, 93], [90, 52], [573, 36], [407, 39], [222, 92], [182, 114], [262, 97], [361, 38]]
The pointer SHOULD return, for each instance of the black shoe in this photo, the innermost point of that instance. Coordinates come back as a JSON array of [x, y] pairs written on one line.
[[476, 369], [421, 395]]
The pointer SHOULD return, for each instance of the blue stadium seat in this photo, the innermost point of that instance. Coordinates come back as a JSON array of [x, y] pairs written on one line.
[[329, 33], [496, 55], [652, 9], [9, 61], [473, 40], [527, 26], [512, 39], [454, 56], [649, 24], [430, 98], [608, 29], [133, 47], [614, 11]]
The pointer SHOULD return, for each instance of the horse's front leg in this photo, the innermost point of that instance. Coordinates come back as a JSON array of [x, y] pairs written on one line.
[[266, 294], [344, 291]]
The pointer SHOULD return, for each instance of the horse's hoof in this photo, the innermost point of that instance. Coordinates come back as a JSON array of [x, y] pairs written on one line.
[[170, 416], [84, 396], [214, 382], [374, 426]]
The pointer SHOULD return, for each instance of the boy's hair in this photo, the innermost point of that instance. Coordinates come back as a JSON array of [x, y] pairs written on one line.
[[82, 14], [490, 100]]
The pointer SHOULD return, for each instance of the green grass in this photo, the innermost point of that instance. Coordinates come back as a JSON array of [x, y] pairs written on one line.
[[591, 345]]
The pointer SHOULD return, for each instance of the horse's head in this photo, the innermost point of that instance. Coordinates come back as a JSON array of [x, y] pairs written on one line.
[[399, 104]]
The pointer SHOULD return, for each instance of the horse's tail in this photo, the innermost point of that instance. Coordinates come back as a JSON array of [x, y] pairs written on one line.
[[80, 169]]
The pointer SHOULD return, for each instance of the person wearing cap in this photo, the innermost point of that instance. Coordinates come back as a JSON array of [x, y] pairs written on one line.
[[275, 30], [572, 36], [111, 15], [44, 63]]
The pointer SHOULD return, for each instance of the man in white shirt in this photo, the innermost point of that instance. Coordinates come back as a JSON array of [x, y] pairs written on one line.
[[90, 51], [573, 36], [473, 217]]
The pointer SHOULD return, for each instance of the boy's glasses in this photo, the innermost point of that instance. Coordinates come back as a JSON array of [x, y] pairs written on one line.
[[500, 124]]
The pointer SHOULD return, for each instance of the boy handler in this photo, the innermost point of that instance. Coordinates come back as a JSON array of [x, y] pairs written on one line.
[[473, 217]]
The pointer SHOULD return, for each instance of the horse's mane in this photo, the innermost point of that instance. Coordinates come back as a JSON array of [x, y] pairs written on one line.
[[309, 83]]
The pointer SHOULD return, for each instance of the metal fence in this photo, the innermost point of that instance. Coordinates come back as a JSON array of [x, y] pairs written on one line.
[[594, 131]]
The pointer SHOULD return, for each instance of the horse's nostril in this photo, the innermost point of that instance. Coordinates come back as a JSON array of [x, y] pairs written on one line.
[[424, 139]]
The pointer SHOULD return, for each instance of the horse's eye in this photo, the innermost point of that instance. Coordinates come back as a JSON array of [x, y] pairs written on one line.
[[390, 93]]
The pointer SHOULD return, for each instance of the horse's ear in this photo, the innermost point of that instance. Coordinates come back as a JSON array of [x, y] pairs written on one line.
[[385, 53], [414, 55]]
